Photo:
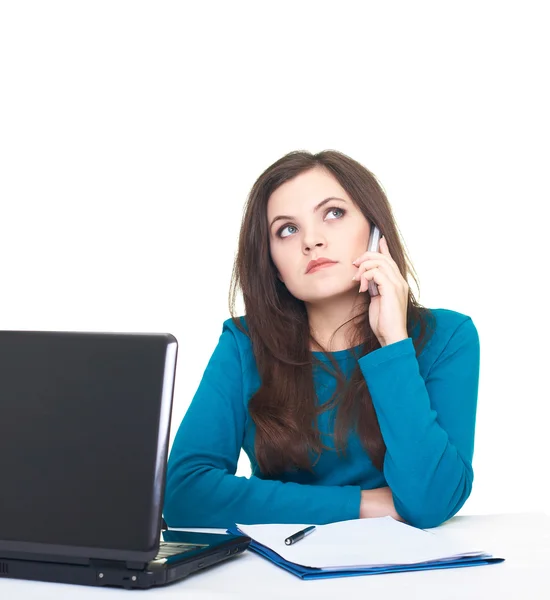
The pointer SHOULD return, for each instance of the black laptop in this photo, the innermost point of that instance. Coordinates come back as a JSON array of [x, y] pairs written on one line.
[[84, 433]]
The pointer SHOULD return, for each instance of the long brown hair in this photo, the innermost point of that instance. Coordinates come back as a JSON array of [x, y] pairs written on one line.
[[285, 408]]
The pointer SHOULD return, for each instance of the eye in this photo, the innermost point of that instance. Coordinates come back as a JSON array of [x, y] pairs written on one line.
[[340, 212], [280, 232], [336, 210]]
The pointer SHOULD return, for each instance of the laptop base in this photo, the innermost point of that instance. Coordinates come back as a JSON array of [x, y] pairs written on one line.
[[160, 571]]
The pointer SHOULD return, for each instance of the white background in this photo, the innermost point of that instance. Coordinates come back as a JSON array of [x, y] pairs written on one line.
[[131, 133]]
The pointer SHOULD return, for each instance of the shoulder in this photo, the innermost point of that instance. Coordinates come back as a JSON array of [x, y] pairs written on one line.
[[235, 332], [238, 328], [451, 331], [449, 322]]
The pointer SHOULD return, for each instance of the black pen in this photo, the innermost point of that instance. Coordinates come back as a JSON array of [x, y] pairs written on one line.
[[299, 535]]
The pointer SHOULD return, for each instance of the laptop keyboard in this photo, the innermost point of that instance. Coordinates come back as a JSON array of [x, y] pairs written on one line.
[[167, 549]]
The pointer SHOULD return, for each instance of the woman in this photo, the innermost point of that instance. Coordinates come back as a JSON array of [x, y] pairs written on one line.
[[347, 405]]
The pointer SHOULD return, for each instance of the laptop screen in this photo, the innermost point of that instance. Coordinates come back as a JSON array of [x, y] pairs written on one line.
[[84, 423]]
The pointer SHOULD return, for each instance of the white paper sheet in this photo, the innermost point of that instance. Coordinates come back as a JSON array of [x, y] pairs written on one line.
[[360, 543]]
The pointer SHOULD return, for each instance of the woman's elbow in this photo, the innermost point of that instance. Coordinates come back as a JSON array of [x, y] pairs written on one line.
[[426, 520], [179, 508], [431, 513], [172, 509], [189, 499]]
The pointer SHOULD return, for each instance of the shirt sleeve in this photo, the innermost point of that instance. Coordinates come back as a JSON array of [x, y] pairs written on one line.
[[427, 425], [202, 489]]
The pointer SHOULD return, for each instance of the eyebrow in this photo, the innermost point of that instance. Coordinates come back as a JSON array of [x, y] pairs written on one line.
[[321, 204]]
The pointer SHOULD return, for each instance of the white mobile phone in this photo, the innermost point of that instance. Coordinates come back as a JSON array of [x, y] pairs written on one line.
[[373, 246]]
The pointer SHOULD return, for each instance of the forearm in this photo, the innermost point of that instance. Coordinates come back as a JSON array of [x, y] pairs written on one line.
[[210, 497], [427, 425]]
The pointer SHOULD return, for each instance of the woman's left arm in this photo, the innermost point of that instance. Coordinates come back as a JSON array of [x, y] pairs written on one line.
[[427, 424]]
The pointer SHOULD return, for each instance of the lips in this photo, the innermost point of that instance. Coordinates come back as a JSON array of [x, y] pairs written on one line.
[[319, 262]]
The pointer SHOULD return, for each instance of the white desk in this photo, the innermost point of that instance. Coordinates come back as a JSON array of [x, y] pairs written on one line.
[[522, 539]]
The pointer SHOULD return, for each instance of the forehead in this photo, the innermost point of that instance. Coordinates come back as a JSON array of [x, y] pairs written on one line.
[[304, 191]]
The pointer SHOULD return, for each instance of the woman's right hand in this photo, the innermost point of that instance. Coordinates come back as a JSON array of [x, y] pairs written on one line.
[[378, 503]]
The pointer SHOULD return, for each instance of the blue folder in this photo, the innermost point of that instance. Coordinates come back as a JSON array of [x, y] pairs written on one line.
[[315, 573]]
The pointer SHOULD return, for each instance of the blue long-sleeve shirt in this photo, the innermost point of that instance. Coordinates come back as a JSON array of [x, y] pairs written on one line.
[[426, 409]]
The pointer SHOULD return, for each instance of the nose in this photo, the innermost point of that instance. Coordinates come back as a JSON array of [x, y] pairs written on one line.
[[309, 245], [313, 237]]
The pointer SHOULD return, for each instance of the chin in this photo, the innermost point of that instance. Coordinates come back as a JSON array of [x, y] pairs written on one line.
[[327, 293]]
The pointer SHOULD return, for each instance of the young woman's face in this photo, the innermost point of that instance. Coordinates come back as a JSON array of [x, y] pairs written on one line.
[[312, 228]]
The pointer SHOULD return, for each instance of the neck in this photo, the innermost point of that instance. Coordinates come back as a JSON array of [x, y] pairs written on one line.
[[326, 318]]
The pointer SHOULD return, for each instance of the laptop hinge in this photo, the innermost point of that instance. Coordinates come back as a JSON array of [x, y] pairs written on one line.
[[136, 566], [131, 565]]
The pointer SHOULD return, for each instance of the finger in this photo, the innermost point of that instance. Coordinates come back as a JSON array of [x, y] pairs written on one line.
[[372, 275], [386, 256], [365, 278], [382, 277], [383, 265], [364, 266]]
